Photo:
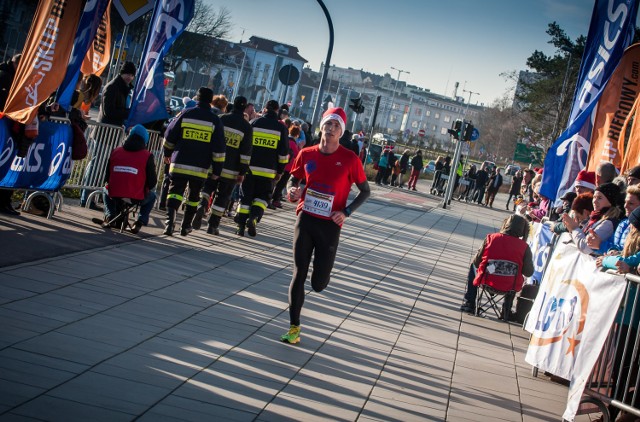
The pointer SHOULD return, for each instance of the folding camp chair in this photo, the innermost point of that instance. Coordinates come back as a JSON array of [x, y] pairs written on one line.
[[491, 297], [126, 211]]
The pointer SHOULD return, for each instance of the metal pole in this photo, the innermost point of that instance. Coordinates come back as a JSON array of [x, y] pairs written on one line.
[[236, 89], [327, 62], [393, 96], [456, 157]]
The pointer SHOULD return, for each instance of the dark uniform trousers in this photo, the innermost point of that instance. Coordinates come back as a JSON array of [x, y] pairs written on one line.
[[257, 193], [177, 188]]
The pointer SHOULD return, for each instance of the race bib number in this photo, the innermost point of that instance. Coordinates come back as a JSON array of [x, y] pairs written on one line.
[[318, 203]]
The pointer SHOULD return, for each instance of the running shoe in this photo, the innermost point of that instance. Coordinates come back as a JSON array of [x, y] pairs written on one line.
[[292, 336]]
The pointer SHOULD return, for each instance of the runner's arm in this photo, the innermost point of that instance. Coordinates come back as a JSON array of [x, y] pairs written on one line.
[[362, 196]]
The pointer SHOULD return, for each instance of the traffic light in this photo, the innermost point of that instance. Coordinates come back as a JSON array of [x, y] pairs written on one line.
[[356, 105], [468, 131], [456, 128], [326, 102]]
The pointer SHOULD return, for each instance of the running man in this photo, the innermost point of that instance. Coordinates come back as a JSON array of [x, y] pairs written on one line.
[[329, 171]]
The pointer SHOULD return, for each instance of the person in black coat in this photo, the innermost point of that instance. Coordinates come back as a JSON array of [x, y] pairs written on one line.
[[495, 181], [482, 177], [114, 109], [514, 190], [404, 166]]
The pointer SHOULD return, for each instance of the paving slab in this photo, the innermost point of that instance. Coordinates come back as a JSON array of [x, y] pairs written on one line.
[[109, 326]]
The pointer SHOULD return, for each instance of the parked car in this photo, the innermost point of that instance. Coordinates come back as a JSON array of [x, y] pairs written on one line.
[[175, 104], [489, 165], [430, 168], [512, 169]]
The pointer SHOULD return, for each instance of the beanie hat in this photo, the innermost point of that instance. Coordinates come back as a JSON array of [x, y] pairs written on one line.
[[188, 102], [240, 103], [128, 68], [634, 172], [611, 191], [586, 179], [139, 130], [634, 218], [336, 114]]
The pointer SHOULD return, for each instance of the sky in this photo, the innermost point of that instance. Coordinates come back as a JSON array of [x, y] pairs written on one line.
[[438, 43]]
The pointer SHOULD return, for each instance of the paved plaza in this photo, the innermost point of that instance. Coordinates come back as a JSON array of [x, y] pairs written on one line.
[[103, 326]]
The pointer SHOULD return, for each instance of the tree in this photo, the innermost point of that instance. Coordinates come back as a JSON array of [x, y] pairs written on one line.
[[198, 40], [546, 98]]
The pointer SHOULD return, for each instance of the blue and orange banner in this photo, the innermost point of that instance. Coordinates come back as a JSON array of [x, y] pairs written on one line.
[[45, 53], [611, 31], [91, 18], [99, 52], [170, 18]]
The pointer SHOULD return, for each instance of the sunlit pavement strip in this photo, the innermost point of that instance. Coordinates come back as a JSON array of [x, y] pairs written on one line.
[[188, 329]]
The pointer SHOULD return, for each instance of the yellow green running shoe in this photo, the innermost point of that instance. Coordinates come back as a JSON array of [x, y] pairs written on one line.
[[292, 336]]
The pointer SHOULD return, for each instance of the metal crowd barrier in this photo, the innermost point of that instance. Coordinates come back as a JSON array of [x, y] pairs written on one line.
[[88, 173], [615, 379]]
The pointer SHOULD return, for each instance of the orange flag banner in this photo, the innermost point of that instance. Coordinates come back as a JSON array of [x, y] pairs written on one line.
[[632, 156], [99, 52], [44, 58], [614, 106]]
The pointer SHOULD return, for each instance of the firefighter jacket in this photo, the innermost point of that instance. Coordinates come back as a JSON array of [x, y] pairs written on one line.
[[238, 135], [270, 146], [195, 142], [502, 262]]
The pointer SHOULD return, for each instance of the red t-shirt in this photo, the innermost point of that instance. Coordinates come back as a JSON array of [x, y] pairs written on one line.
[[328, 179]]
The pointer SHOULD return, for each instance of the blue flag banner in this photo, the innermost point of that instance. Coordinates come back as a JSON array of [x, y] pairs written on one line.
[[47, 165], [87, 28], [539, 244], [611, 31], [170, 18]]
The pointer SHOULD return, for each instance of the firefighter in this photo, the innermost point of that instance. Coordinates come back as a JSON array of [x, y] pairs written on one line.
[[269, 155], [238, 136], [194, 144]]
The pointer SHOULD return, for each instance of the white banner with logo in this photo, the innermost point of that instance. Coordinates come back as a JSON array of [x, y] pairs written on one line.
[[571, 317]]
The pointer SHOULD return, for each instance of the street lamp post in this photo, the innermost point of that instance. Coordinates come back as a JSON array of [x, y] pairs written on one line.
[[393, 96], [236, 87], [327, 61]]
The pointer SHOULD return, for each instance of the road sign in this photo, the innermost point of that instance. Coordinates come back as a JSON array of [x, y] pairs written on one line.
[[301, 103], [421, 133], [475, 134], [131, 10], [289, 74]]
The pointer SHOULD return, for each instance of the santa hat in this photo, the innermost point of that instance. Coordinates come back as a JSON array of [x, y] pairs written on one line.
[[336, 114], [586, 179]]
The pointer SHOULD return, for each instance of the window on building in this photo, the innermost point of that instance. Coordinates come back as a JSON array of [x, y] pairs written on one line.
[[265, 74], [393, 118], [418, 111], [434, 128], [443, 131], [415, 124], [437, 116], [427, 113], [447, 119]]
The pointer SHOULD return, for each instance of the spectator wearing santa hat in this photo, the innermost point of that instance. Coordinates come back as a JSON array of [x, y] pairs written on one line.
[[329, 170], [585, 182]]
